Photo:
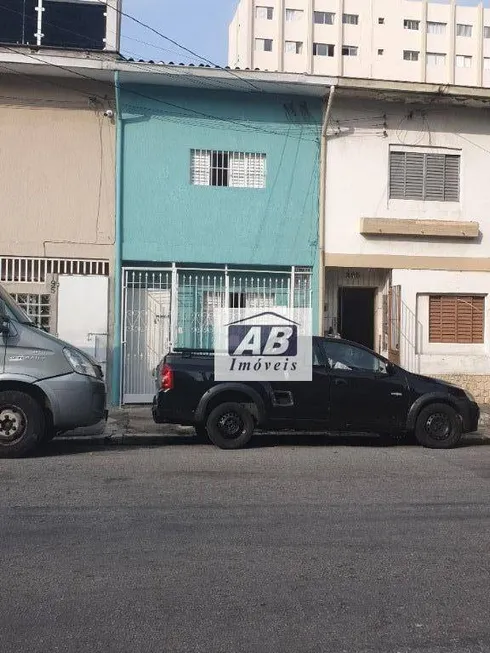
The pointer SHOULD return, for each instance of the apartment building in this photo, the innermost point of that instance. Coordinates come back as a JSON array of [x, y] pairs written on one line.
[[406, 40]]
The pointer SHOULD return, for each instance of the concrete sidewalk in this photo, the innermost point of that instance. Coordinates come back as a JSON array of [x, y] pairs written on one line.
[[133, 421]]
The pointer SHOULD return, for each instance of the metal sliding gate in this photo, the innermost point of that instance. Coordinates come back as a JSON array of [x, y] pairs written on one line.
[[175, 307]]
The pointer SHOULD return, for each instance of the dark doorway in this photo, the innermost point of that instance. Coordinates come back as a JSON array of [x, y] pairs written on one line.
[[356, 315]]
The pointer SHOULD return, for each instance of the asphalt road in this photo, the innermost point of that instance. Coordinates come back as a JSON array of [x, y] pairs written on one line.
[[298, 546]]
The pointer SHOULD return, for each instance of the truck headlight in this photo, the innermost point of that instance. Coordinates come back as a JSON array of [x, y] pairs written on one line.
[[79, 363]]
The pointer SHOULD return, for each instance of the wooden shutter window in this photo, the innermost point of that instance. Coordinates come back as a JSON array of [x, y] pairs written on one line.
[[456, 319]]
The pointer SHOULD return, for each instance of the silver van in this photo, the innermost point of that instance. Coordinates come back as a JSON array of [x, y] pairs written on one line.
[[46, 385]]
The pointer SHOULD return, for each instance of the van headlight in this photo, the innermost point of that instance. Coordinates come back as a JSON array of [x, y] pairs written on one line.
[[79, 363]]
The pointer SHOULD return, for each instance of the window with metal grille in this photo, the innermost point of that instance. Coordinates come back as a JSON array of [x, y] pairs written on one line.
[[324, 17], [323, 50], [37, 307], [233, 169], [350, 19], [456, 319], [424, 176]]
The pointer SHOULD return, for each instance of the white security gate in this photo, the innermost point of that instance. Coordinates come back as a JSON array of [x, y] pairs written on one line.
[[147, 300], [174, 307], [83, 314]]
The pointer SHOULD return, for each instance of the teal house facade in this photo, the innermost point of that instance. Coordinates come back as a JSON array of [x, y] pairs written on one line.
[[218, 189]]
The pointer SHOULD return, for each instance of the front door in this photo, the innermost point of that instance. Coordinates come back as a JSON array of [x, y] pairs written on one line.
[[365, 394], [356, 315]]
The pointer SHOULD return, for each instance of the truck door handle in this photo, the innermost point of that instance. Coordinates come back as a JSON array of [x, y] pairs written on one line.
[[340, 382]]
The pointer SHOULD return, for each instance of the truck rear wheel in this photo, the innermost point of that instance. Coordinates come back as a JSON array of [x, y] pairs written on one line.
[[22, 424], [230, 426]]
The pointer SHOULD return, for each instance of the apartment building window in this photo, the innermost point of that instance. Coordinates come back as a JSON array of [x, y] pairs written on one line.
[[350, 19], [293, 15], [486, 32], [436, 59], [464, 30], [411, 24], [435, 28], [323, 17], [424, 176], [233, 169], [410, 55], [293, 47], [381, 52], [323, 50], [381, 21], [263, 45], [457, 319], [486, 63], [463, 61], [264, 13], [350, 50]]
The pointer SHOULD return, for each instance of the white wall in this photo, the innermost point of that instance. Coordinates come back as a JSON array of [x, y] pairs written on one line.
[[358, 176], [417, 354]]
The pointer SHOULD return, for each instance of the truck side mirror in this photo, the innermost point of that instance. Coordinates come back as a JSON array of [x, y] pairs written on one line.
[[4, 325]]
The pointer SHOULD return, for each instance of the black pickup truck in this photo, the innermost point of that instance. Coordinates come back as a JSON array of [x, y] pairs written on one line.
[[352, 389]]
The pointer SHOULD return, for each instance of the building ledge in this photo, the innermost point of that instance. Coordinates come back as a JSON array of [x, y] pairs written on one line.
[[424, 228]]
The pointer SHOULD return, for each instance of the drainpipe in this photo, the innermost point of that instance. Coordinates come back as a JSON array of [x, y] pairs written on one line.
[[117, 336], [321, 221]]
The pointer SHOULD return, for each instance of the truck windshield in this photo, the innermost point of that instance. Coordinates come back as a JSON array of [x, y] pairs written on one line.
[[14, 312]]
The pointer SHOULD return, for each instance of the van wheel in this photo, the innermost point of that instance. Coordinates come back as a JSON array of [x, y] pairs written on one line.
[[438, 426], [22, 424], [230, 426]]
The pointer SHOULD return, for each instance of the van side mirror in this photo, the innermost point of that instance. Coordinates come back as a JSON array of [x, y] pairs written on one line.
[[4, 325]]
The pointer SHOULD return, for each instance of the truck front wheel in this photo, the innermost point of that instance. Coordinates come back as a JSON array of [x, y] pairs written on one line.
[[230, 426], [22, 423]]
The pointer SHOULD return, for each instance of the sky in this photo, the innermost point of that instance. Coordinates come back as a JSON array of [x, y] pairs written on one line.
[[200, 25]]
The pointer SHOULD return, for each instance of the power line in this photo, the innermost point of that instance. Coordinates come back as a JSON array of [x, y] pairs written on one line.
[[179, 45], [153, 99], [139, 64]]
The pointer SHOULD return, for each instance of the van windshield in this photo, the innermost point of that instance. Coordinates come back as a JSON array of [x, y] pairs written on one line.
[[14, 312]]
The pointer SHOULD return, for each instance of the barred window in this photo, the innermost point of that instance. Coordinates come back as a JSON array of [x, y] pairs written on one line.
[[233, 169], [456, 319], [424, 176]]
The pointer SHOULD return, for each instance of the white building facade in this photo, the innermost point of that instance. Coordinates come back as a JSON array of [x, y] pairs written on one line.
[[407, 224], [409, 40]]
